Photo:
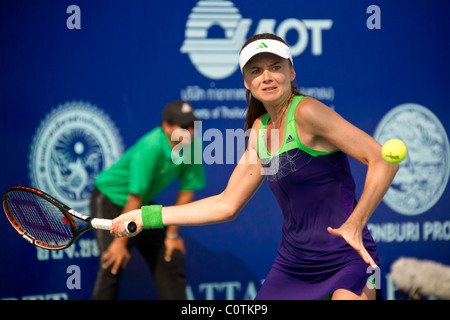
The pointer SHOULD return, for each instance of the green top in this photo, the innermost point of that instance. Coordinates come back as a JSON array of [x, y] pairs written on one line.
[[290, 135], [147, 168]]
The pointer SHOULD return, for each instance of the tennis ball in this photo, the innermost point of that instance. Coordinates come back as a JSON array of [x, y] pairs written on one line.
[[394, 151]]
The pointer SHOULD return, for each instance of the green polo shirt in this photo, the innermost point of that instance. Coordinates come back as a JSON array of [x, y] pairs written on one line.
[[146, 169]]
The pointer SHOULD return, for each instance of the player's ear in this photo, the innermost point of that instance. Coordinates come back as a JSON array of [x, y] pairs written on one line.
[[246, 84], [292, 74]]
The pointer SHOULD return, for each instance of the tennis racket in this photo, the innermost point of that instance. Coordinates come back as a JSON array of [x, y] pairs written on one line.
[[47, 223]]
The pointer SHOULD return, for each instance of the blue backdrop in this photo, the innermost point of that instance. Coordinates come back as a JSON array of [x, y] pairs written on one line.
[[82, 80]]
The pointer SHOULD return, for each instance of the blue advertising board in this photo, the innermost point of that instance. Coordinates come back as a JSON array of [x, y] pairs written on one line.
[[81, 81]]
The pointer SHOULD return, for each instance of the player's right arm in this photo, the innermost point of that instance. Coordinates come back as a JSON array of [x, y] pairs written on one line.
[[242, 185]]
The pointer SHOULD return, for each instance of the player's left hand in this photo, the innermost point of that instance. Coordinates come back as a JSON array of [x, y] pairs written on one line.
[[352, 233]]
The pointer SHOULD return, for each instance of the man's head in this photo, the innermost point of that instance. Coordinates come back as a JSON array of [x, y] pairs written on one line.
[[178, 115]]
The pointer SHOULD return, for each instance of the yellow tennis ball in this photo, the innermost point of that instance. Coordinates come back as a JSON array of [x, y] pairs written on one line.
[[394, 151]]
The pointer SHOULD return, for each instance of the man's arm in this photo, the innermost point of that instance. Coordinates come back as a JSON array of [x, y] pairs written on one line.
[[117, 254], [173, 241]]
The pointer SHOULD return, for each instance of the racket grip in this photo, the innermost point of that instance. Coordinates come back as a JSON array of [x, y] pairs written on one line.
[[102, 224], [131, 227], [106, 224]]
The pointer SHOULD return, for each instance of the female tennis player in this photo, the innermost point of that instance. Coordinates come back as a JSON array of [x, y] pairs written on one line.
[[302, 147]]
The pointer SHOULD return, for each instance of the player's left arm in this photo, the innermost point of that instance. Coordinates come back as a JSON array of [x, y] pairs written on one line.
[[321, 128]]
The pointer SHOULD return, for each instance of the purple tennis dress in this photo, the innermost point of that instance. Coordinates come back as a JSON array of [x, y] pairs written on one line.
[[315, 190]]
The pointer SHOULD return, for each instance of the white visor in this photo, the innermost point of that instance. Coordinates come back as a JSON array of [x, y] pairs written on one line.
[[264, 45]]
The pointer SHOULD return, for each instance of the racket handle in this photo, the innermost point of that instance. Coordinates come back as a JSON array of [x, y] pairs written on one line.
[[102, 224], [131, 227], [105, 224]]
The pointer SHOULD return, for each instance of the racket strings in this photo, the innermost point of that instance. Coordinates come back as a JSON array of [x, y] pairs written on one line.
[[40, 219]]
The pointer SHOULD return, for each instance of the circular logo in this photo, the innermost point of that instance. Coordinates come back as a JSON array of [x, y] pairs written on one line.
[[71, 146], [215, 58], [423, 175]]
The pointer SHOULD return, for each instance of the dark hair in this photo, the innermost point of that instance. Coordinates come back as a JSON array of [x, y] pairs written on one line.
[[255, 108]]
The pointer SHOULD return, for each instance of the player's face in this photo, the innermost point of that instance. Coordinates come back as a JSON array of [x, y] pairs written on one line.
[[269, 78]]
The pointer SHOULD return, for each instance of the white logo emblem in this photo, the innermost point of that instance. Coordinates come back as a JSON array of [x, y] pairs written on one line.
[[423, 175], [71, 146], [215, 58], [215, 33]]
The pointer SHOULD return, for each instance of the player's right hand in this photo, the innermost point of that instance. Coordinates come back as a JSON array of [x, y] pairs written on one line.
[[118, 226]]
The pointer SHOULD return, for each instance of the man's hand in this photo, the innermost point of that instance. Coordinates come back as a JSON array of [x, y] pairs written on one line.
[[116, 256], [171, 245]]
